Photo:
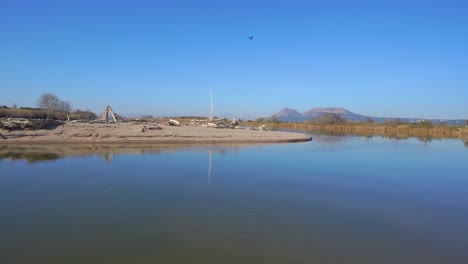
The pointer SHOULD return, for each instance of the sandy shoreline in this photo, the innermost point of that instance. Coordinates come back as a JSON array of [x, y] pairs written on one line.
[[131, 133]]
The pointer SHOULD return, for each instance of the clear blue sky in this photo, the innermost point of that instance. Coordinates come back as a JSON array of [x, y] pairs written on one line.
[[381, 58]]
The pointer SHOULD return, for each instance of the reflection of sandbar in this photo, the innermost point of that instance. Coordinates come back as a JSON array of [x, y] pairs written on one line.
[[45, 152]]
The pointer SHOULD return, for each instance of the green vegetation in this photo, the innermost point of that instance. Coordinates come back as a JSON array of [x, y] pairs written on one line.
[[260, 120], [82, 115], [368, 121], [394, 122], [274, 120], [424, 123]]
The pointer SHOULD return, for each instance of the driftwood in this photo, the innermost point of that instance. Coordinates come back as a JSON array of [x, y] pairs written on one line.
[[28, 124], [145, 127], [260, 128], [108, 115], [215, 123], [173, 122]]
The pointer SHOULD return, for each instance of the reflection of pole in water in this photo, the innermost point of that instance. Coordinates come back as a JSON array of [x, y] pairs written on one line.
[[108, 157], [211, 100], [209, 167]]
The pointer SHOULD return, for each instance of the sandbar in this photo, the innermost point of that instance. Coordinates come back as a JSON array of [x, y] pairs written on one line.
[[132, 133]]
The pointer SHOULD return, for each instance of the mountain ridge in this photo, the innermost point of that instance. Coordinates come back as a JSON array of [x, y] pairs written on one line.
[[291, 115]]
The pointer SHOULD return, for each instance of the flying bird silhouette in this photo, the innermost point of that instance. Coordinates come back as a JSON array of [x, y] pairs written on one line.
[[251, 37]]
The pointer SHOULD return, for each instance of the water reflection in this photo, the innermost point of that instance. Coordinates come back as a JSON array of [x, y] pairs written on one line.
[[209, 165], [338, 136], [38, 153], [333, 200]]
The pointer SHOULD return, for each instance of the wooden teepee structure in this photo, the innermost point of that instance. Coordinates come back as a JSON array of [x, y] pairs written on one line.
[[109, 116]]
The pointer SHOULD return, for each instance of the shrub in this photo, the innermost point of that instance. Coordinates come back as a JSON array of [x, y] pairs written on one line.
[[82, 115]]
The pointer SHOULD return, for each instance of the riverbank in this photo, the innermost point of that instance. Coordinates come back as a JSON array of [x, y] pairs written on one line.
[[129, 132]]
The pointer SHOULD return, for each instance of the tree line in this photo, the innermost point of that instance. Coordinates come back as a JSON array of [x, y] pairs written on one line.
[[49, 106]]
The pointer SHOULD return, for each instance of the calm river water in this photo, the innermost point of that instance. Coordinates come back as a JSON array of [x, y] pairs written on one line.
[[331, 200]]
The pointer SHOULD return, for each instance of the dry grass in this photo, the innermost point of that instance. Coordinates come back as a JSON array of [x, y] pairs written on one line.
[[36, 113], [398, 131]]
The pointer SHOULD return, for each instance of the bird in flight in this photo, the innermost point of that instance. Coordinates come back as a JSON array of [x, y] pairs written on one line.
[[251, 37]]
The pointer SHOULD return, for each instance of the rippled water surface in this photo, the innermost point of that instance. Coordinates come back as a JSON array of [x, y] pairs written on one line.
[[332, 200]]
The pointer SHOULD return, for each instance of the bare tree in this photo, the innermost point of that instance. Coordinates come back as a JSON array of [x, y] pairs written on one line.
[[48, 101], [64, 106]]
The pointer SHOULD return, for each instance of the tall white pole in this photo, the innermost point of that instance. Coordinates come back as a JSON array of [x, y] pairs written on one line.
[[211, 99]]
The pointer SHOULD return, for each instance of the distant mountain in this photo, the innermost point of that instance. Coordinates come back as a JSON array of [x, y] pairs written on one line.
[[317, 112], [288, 115], [291, 115]]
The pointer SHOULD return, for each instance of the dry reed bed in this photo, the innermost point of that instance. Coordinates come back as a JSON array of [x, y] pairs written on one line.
[[385, 130]]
